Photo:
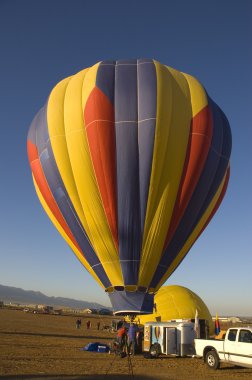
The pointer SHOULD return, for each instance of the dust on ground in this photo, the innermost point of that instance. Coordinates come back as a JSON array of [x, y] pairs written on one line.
[[40, 346]]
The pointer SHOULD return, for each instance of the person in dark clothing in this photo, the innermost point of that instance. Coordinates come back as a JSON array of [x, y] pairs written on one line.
[[139, 341]]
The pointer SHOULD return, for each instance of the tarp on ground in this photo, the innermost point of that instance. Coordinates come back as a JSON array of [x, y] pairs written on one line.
[[96, 347]]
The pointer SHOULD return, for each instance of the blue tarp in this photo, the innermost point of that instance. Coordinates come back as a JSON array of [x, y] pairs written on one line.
[[96, 347]]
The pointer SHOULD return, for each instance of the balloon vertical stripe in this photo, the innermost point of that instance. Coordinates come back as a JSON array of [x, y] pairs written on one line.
[[99, 124], [41, 182], [169, 154], [212, 208], [126, 121], [94, 219], [147, 108], [197, 151], [223, 192], [57, 225]]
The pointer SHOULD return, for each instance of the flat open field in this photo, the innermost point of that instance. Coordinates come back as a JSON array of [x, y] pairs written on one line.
[[39, 346]]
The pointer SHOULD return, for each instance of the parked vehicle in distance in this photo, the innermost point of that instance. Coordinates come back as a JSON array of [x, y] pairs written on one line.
[[235, 348]]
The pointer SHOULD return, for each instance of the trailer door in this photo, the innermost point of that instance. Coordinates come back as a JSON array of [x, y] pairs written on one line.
[[171, 340], [147, 337]]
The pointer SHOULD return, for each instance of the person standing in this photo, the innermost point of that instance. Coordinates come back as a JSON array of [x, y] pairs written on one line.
[[133, 329], [122, 338]]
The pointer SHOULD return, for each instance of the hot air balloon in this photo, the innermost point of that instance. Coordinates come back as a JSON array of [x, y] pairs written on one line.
[[130, 160], [174, 302]]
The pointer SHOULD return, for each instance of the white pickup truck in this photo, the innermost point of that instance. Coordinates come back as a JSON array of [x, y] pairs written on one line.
[[235, 349]]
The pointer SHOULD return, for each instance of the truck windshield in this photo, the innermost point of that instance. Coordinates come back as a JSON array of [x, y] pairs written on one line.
[[232, 335], [245, 336]]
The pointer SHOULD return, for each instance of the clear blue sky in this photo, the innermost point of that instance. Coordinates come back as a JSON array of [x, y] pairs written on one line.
[[42, 42]]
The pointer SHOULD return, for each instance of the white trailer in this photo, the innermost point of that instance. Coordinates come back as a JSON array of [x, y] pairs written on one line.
[[169, 338]]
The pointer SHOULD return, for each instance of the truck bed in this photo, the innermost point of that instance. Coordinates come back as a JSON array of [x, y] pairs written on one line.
[[201, 344]]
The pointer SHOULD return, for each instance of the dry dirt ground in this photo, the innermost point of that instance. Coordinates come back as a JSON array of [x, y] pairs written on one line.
[[37, 346]]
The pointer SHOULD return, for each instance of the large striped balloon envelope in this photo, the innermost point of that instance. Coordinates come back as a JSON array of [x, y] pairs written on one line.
[[130, 160]]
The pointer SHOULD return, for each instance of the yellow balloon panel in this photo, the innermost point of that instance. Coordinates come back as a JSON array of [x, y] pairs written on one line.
[[177, 302]]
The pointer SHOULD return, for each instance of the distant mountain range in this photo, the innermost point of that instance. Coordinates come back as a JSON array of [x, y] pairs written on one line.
[[17, 295]]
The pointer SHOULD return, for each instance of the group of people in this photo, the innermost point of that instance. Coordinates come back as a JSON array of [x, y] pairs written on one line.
[[130, 339], [88, 324]]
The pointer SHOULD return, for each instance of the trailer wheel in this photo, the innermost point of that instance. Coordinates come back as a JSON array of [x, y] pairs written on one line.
[[155, 350], [212, 360]]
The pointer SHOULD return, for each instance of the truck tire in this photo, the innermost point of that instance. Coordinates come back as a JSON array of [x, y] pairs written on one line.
[[155, 350], [212, 359]]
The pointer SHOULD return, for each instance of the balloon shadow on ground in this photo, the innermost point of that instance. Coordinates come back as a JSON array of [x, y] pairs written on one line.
[[237, 369], [80, 377]]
